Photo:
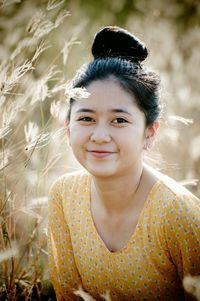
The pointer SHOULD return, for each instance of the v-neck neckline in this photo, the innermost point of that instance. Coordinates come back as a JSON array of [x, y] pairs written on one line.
[[133, 235]]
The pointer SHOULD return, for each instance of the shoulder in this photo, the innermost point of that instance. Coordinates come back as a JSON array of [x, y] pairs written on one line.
[[177, 201], [178, 194], [170, 191], [175, 214], [180, 224], [69, 181], [171, 198]]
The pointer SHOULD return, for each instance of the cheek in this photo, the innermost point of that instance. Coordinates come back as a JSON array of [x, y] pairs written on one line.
[[132, 142], [129, 136], [78, 134]]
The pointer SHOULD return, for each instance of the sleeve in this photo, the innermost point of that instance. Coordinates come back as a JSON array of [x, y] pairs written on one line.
[[182, 229], [64, 274]]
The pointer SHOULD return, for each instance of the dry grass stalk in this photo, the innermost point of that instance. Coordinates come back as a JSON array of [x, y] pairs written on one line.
[[67, 47], [55, 108], [10, 76], [4, 158], [52, 4], [5, 131], [22, 211], [35, 21], [5, 3], [26, 42], [7, 254], [176, 118], [40, 90], [31, 131], [43, 46], [40, 141], [192, 285], [61, 17], [106, 296], [76, 93], [189, 182], [87, 297]]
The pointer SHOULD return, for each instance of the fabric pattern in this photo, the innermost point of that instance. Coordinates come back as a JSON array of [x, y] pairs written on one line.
[[164, 247]]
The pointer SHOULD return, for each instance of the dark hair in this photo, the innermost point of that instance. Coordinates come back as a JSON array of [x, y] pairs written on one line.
[[118, 54]]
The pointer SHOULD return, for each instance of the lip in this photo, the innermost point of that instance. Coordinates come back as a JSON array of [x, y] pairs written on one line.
[[100, 153]]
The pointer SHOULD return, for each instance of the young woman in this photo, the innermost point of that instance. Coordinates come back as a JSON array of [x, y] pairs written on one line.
[[119, 226]]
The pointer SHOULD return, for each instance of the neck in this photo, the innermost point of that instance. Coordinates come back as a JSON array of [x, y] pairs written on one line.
[[117, 194]]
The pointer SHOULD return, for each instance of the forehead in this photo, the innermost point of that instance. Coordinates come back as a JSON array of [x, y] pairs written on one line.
[[107, 94]]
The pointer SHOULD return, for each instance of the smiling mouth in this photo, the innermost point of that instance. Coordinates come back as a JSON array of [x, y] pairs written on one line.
[[100, 153]]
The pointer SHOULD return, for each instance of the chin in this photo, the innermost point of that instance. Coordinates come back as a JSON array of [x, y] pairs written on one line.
[[101, 173]]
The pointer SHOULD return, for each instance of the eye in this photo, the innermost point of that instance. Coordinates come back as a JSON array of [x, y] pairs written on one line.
[[119, 120], [86, 119]]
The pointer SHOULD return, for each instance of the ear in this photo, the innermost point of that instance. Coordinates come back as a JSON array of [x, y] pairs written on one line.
[[150, 135]]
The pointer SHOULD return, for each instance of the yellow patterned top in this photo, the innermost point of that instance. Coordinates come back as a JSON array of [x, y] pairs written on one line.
[[164, 247]]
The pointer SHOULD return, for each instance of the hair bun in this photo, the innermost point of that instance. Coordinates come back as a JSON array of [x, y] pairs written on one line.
[[115, 41]]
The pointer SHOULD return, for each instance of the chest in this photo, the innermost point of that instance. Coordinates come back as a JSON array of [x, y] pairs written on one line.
[[140, 269], [115, 232]]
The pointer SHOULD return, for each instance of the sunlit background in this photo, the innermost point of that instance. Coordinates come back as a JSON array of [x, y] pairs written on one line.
[[42, 44]]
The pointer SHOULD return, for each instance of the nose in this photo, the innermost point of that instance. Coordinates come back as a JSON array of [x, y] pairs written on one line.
[[100, 135]]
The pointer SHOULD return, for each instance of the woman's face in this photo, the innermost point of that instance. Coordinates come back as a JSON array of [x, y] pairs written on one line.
[[107, 130]]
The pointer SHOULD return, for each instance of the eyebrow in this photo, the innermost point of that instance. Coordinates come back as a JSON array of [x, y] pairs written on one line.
[[120, 111], [85, 110]]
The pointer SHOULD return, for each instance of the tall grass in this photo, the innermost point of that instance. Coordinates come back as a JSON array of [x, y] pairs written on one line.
[[27, 129]]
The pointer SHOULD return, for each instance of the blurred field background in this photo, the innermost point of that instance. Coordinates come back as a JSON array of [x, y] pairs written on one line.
[[42, 43]]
